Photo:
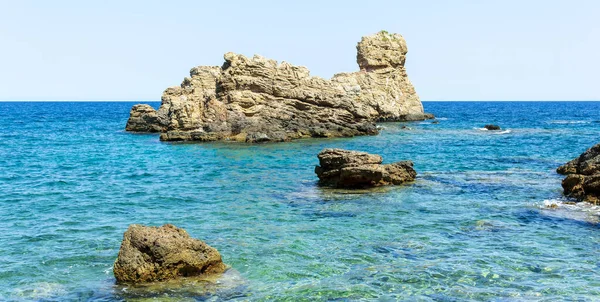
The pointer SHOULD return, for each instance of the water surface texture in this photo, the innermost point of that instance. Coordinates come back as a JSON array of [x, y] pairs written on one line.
[[474, 225]]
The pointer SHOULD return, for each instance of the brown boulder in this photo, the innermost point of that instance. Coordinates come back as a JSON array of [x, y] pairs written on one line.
[[583, 176], [143, 118], [161, 253], [353, 169]]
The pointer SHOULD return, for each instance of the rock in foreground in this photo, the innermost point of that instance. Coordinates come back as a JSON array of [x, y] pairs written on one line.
[[583, 176], [161, 253], [257, 99], [352, 169]]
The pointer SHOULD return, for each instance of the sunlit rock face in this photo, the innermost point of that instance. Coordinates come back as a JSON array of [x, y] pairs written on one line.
[[257, 99]]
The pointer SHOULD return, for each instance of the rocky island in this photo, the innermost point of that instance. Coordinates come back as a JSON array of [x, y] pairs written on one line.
[[257, 99]]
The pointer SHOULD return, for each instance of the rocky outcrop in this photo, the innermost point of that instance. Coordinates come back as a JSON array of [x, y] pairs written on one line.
[[143, 118], [162, 253], [583, 176], [257, 99], [491, 127], [352, 169]]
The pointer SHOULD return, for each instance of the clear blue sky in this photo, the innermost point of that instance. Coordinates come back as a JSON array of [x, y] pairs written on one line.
[[458, 50]]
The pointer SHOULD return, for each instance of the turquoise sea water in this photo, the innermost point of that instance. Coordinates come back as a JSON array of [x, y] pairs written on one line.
[[474, 225]]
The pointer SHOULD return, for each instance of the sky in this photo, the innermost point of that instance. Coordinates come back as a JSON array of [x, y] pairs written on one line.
[[458, 50]]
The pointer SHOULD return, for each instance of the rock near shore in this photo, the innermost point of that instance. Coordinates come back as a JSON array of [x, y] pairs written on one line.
[[161, 253], [583, 176], [352, 169], [257, 99]]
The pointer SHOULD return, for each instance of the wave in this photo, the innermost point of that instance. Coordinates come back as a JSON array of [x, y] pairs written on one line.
[[507, 131], [564, 208], [569, 122]]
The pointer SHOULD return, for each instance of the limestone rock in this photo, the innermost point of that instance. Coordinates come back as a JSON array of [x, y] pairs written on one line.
[[583, 176], [353, 169], [258, 99], [143, 118], [162, 253]]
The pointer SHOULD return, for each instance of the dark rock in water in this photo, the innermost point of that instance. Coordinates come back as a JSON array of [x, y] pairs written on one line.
[[143, 118], [406, 127], [583, 176], [161, 253], [429, 116], [492, 127], [353, 169], [260, 100], [435, 122]]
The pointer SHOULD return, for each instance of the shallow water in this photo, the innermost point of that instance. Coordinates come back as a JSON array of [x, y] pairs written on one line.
[[475, 225]]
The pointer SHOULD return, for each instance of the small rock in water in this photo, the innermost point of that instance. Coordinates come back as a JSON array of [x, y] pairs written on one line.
[[583, 176], [491, 127], [352, 169], [161, 253], [435, 122]]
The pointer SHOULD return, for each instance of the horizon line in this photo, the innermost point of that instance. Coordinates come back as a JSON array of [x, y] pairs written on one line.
[[158, 101]]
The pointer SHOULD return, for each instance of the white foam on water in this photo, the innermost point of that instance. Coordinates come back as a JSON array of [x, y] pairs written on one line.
[[507, 131], [582, 211], [569, 122]]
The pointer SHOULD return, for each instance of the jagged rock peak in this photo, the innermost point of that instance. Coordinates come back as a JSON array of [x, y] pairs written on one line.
[[381, 50]]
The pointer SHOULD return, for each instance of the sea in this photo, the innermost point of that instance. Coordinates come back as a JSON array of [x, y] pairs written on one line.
[[485, 219]]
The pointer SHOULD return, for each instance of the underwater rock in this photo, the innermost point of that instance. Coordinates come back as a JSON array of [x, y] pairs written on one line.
[[161, 253], [259, 100], [492, 127], [583, 176], [143, 118], [352, 169]]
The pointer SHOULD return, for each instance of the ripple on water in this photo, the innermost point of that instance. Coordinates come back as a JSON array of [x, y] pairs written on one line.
[[473, 226]]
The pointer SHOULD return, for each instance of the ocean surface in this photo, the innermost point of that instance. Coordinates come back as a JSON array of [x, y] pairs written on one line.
[[475, 225]]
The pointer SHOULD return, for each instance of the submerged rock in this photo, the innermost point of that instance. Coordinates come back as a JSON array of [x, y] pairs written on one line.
[[353, 169], [492, 127], [143, 118], [161, 253], [257, 99], [583, 176]]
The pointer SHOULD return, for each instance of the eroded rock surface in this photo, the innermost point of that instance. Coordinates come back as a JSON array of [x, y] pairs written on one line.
[[583, 176], [352, 169], [257, 99], [143, 118], [161, 253]]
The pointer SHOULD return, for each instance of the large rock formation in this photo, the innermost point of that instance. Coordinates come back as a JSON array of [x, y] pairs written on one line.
[[161, 253], [352, 169], [583, 176], [257, 99]]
